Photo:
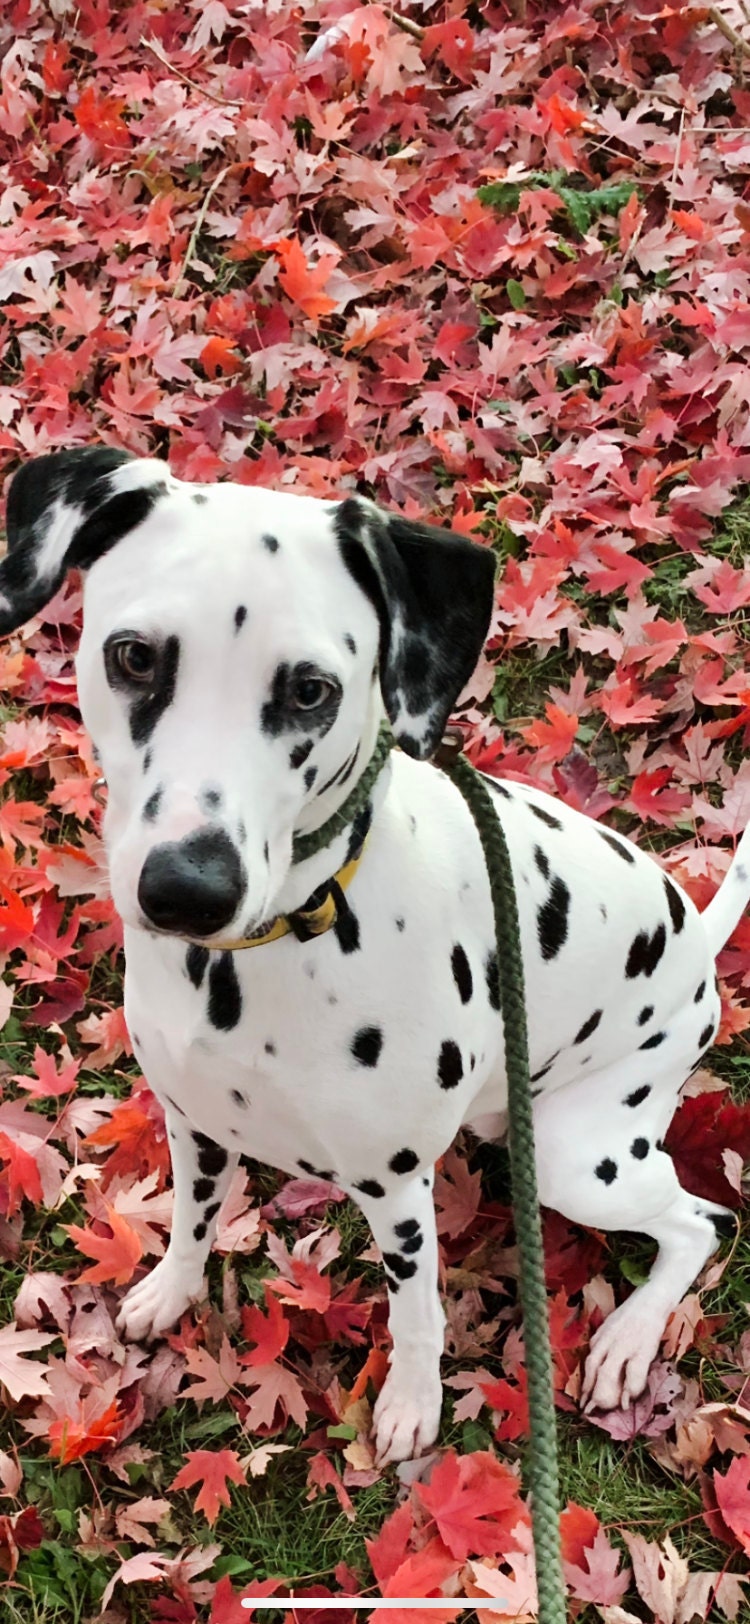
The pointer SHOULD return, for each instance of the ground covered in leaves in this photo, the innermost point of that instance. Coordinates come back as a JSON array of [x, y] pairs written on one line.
[[487, 263]]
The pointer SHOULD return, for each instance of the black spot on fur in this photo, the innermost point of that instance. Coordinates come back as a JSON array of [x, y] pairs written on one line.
[[279, 713], [706, 1035], [224, 996], [675, 904], [238, 1097], [271, 543], [202, 1189], [638, 1095], [498, 786], [537, 1076], [645, 1014], [210, 1212], [298, 756], [639, 1149], [725, 1224], [462, 973], [700, 992], [404, 1161], [542, 862], [196, 960], [392, 1284], [270, 1048], [147, 762], [326, 1173], [146, 711], [341, 774], [367, 1044], [311, 774], [552, 919], [212, 1158], [174, 1105], [199, 498], [616, 845], [400, 923], [654, 1041], [645, 952], [199, 1232], [240, 616], [492, 977], [211, 798], [346, 923], [450, 1064], [350, 643], [370, 1187], [414, 1244], [607, 1170], [544, 816], [399, 1266], [406, 1228], [588, 1027], [153, 803]]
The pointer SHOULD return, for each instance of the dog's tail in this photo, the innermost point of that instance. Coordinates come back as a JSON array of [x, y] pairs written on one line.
[[725, 910]]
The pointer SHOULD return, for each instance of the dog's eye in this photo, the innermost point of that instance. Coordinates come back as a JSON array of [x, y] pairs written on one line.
[[136, 660], [310, 692]]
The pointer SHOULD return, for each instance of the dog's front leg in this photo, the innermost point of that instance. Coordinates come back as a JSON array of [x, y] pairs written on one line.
[[201, 1173], [407, 1413]]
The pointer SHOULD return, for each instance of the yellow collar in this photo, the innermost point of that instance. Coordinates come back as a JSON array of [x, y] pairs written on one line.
[[317, 915]]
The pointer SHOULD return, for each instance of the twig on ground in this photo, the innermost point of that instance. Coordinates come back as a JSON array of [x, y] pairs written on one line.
[[200, 90]]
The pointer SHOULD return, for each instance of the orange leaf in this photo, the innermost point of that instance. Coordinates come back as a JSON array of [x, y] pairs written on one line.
[[22, 1173], [211, 1468], [118, 1253], [70, 1439], [217, 356], [302, 282]]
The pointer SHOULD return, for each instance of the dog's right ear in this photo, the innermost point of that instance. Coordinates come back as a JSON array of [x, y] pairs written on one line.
[[64, 511]]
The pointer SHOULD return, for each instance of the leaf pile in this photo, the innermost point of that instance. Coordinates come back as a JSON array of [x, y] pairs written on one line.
[[490, 267]]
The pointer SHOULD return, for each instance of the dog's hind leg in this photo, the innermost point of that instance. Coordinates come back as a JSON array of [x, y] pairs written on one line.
[[402, 1220], [201, 1173], [600, 1162]]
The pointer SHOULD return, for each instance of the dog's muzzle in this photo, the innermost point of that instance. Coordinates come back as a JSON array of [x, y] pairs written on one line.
[[192, 887]]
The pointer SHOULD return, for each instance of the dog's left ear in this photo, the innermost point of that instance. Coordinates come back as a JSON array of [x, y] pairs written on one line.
[[433, 593], [64, 511]]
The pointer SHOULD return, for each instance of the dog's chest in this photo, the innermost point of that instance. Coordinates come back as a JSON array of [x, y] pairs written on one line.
[[341, 1058]]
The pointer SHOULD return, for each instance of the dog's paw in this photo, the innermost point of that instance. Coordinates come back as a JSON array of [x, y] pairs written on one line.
[[621, 1354], [406, 1417], [157, 1302]]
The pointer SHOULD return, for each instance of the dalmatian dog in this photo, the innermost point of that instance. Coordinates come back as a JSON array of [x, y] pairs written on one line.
[[239, 651]]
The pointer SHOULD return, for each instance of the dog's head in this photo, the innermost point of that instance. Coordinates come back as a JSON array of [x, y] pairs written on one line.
[[238, 648]]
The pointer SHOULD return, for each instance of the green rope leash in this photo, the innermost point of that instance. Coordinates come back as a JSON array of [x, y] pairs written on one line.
[[304, 846], [542, 1461]]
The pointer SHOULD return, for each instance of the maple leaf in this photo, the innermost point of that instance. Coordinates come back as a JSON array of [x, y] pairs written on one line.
[[212, 1469], [732, 1491], [701, 1129], [270, 1331], [71, 1437], [554, 738], [274, 1386], [303, 282], [457, 1196], [118, 1253], [474, 1500], [597, 1575], [214, 1378], [47, 1082], [22, 1377], [21, 1172], [131, 1521], [16, 920]]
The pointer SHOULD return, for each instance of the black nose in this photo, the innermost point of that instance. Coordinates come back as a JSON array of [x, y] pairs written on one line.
[[193, 886]]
